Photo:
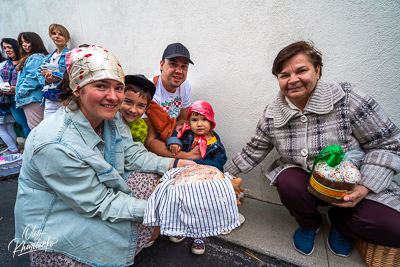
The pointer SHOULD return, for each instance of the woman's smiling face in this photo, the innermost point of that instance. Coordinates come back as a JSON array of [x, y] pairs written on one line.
[[9, 51], [298, 79], [100, 100], [27, 46]]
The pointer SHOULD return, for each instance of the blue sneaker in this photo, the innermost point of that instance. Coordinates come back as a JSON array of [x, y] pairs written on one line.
[[339, 244], [303, 240]]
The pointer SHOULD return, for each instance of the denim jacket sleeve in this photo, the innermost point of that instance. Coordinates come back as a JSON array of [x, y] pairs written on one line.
[[77, 184], [173, 140], [41, 79], [137, 157], [61, 67], [31, 79]]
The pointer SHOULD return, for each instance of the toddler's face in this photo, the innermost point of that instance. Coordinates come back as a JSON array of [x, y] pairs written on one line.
[[199, 124], [133, 106]]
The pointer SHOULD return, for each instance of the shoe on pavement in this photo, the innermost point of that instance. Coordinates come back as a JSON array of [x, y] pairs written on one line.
[[8, 152], [339, 244], [177, 239], [199, 246], [304, 240], [149, 244], [241, 220]]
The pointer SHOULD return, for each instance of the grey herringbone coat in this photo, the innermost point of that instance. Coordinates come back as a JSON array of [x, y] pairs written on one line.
[[336, 114]]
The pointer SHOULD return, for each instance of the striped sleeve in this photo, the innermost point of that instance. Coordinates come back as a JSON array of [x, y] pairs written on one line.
[[255, 151], [379, 138]]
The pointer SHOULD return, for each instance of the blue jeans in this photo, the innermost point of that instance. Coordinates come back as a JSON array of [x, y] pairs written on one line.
[[19, 116]]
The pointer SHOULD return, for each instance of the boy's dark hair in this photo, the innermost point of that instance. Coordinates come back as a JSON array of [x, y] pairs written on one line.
[[140, 84], [139, 89]]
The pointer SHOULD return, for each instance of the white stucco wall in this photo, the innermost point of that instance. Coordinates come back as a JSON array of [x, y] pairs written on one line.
[[233, 45]]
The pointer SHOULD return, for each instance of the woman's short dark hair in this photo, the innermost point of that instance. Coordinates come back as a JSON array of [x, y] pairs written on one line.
[[14, 45], [307, 48]]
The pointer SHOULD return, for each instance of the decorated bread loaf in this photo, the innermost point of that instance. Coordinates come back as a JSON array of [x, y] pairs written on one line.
[[331, 184], [197, 174]]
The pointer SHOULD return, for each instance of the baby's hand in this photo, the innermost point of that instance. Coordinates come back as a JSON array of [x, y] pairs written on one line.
[[174, 148]]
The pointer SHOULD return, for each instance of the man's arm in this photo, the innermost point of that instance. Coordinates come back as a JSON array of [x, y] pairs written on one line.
[[182, 116], [158, 147]]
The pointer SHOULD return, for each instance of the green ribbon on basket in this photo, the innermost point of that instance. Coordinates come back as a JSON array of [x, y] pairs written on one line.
[[333, 155]]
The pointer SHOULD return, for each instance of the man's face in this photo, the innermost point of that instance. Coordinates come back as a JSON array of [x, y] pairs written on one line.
[[173, 72]]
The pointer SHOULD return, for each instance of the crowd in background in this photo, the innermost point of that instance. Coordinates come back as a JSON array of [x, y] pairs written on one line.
[[30, 79]]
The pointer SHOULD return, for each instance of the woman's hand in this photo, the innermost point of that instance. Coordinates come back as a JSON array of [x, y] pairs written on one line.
[[49, 76], [51, 79], [181, 163], [45, 72], [356, 196], [11, 92]]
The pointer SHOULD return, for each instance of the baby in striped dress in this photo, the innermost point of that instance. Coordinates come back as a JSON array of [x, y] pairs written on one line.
[[199, 132]]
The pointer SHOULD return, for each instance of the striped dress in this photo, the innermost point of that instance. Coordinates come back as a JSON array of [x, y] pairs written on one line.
[[193, 210]]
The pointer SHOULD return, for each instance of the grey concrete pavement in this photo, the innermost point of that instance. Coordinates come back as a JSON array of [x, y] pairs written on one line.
[[269, 229], [266, 233], [162, 253]]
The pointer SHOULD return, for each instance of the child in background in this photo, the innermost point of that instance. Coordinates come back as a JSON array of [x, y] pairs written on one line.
[[199, 132], [138, 93]]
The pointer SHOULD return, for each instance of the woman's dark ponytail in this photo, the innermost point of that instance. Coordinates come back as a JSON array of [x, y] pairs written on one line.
[[66, 96]]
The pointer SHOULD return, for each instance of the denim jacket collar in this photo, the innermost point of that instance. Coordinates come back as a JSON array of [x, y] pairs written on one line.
[[84, 128]]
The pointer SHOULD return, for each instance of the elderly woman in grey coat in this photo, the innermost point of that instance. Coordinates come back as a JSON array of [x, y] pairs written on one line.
[[309, 115]]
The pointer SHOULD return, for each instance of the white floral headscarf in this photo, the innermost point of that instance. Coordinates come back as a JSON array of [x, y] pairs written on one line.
[[89, 64]]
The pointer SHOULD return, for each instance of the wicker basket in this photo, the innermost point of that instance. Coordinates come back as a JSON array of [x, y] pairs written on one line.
[[375, 255], [11, 168], [3, 178]]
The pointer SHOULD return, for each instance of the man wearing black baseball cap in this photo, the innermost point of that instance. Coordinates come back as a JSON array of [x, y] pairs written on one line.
[[173, 94], [173, 91]]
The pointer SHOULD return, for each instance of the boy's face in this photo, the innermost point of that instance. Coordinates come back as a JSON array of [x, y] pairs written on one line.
[[199, 124], [133, 106]]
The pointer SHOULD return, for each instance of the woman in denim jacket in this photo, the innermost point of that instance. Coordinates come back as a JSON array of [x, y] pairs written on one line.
[[9, 73], [73, 201], [52, 69], [28, 94]]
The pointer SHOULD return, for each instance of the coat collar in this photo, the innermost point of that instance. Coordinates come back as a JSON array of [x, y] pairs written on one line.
[[321, 101]]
